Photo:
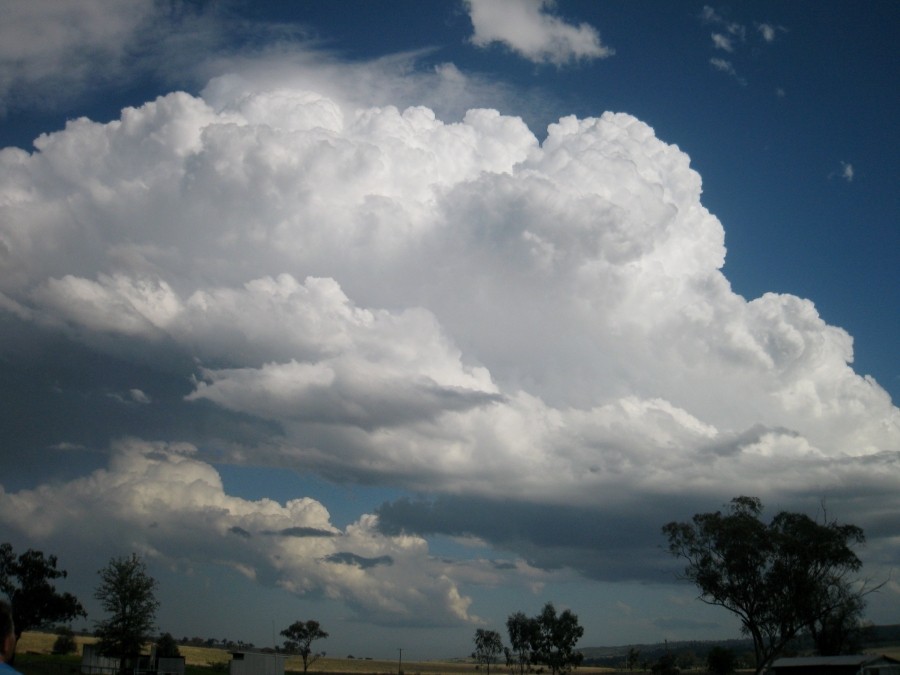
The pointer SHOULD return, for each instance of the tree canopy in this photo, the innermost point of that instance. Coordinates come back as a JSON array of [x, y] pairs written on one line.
[[167, 647], [556, 640], [27, 580], [488, 647], [522, 632], [127, 594], [778, 578], [547, 639], [300, 636]]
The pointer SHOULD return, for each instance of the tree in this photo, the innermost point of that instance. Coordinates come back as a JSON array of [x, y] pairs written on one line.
[[65, 641], [300, 636], [634, 655], [665, 665], [166, 647], [555, 641], [27, 582], [838, 631], [128, 594], [488, 647], [523, 633], [720, 661], [777, 578]]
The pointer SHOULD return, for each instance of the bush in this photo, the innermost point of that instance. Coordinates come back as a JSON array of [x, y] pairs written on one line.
[[665, 665], [65, 642], [720, 661], [166, 647]]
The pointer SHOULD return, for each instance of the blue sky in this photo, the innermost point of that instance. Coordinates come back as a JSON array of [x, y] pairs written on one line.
[[407, 316]]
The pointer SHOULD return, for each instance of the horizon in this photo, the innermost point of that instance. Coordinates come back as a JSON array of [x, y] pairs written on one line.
[[185, 641], [405, 318]]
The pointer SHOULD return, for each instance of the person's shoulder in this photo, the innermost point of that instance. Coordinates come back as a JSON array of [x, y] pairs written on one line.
[[7, 669]]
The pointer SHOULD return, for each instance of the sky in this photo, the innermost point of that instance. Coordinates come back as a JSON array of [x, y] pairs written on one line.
[[407, 316]]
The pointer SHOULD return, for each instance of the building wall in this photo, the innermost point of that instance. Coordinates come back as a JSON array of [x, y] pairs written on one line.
[[255, 663], [92, 663]]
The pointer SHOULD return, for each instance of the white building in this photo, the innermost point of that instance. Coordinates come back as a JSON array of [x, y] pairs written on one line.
[[256, 663]]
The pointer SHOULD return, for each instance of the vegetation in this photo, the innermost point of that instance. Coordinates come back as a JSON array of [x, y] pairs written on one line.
[[35, 658], [557, 637], [522, 633], [166, 647], [633, 659], [127, 594], [780, 579], [488, 647], [721, 661], [547, 639], [27, 580], [839, 630], [665, 665], [300, 636], [65, 641]]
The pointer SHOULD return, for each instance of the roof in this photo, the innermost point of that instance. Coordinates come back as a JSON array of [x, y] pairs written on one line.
[[850, 660]]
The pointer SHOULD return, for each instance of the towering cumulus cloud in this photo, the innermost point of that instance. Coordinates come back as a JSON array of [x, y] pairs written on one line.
[[531, 330]]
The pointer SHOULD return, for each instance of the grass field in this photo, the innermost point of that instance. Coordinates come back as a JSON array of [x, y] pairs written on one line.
[[35, 648], [204, 657]]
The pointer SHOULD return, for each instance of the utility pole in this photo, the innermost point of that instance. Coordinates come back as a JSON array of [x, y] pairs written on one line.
[[400, 662]]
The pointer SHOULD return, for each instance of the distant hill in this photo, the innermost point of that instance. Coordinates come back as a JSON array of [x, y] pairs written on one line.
[[873, 637]]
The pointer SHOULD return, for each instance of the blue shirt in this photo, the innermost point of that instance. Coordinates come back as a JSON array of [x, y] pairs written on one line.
[[6, 669]]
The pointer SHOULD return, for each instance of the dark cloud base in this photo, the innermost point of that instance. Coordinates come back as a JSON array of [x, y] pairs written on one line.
[[618, 544]]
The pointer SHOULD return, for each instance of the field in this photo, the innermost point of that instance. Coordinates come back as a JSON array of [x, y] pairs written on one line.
[[34, 658], [35, 644]]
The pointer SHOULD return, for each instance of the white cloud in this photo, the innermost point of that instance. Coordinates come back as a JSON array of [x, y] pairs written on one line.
[[769, 32], [847, 172], [722, 42], [138, 396], [159, 499], [46, 45], [488, 223], [526, 27], [727, 67], [733, 28], [451, 308], [53, 53], [723, 65]]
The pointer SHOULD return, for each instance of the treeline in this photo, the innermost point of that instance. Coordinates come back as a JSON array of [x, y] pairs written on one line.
[[614, 657]]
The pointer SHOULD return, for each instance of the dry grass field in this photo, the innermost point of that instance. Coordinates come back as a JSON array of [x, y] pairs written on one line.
[[42, 643]]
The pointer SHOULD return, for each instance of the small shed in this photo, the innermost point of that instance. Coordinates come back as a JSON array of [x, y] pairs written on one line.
[[94, 663], [856, 664], [256, 663]]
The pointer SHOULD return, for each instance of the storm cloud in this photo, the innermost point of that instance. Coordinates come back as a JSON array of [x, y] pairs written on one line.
[[535, 335]]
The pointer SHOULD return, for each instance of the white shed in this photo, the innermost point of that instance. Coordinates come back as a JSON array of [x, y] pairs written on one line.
[[256, 663]]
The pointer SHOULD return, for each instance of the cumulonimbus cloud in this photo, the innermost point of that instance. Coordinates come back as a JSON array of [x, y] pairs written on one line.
[[453, 308]]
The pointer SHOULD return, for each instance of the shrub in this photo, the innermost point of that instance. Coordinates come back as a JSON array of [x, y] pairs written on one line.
[[65, 642], [720, 661]]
